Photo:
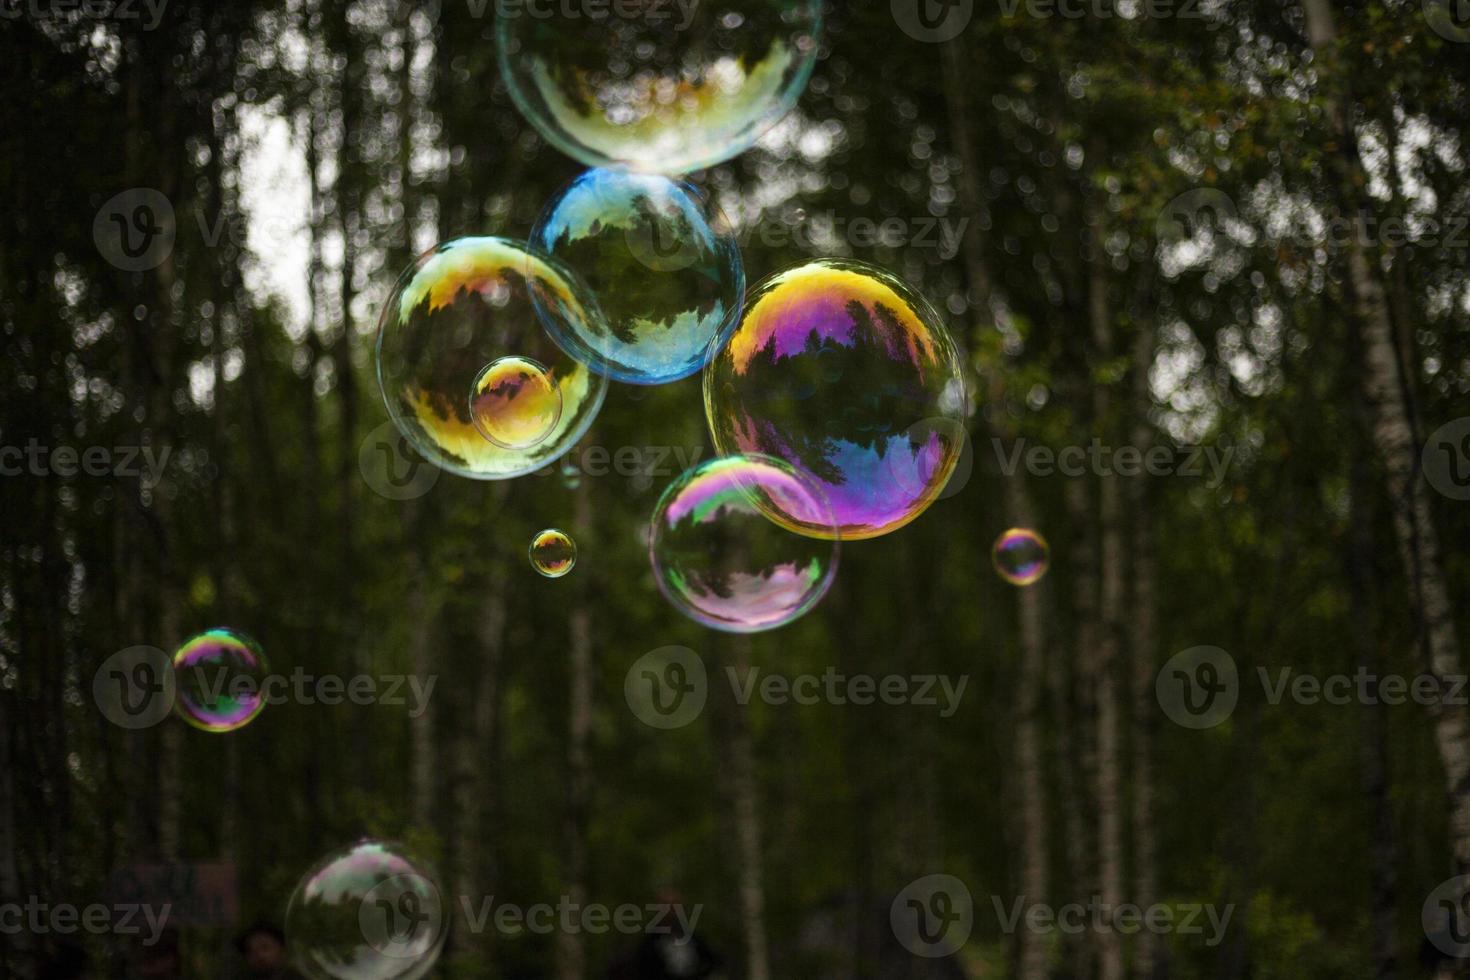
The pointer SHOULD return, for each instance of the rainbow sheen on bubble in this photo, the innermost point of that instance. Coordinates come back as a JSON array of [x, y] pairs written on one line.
[[1020, 556], [370, 911], [722, 562], [660, 87], [553, 553], [832, 367], [660, 260], [515, 402], [462, 306], [220, 675]]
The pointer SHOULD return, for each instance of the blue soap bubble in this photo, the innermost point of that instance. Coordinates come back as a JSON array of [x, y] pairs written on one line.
[[662, 265]]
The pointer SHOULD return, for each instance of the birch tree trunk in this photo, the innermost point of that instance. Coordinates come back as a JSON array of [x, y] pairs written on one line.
[[1388, 390]]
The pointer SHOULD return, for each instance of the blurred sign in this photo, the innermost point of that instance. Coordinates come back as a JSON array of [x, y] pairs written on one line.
[[199, 894]]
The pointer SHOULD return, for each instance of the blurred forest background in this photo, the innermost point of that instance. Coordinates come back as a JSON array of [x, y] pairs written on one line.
[[309, 150]]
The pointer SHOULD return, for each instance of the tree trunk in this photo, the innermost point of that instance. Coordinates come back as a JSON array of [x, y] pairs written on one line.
[[1388, 391], [1148, 951], [571, 948], [475, 758], [424, 760], [739, 754], [1108, 626], [1035, 866]]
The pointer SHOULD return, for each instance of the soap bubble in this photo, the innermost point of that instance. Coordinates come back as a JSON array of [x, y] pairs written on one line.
[[515, 403], [219, 675], [553, 553], [462, 309], [658, 87], [1020, 556], [832, 367], [722, 562], [370, 911], [662, 264]]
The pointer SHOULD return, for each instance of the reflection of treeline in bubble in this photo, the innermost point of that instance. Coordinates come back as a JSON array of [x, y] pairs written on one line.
[[832, 393]]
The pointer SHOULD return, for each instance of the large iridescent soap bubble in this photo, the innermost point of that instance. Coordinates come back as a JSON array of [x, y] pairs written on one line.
[[456, 323], [220, 677], [831, 367], [662, 87], [722, 562], [370, 911], [662, 263]]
